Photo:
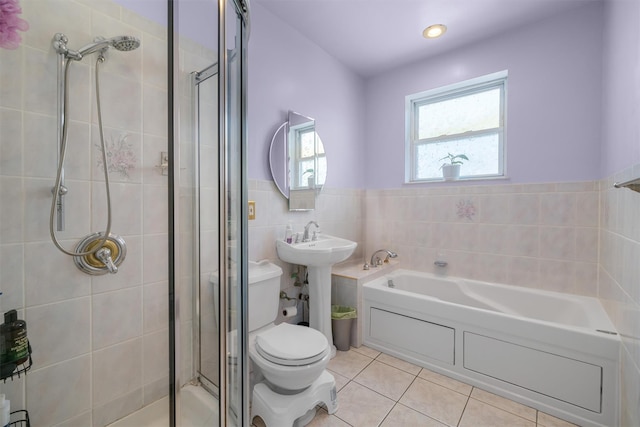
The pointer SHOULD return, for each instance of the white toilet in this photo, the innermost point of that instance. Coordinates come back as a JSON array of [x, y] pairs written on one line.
[[288, 360]]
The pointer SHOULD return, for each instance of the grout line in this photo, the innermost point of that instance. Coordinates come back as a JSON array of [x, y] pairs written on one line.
[[506, 410], [405, 392], [464, 409]]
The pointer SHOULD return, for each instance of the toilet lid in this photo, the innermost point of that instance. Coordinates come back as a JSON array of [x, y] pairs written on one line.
[[291, 345]]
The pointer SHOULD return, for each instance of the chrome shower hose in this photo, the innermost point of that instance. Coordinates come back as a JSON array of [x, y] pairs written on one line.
[[63, 151]]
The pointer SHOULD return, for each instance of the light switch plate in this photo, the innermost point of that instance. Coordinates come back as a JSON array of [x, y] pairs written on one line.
[[252, 210]]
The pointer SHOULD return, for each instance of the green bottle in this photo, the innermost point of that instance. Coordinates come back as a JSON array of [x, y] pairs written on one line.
[[14, 335]]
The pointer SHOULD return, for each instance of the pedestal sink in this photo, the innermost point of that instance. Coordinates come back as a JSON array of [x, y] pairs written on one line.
[[318, 256]]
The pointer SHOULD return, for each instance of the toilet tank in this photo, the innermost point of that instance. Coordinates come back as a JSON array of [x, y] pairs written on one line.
[[264, 293]]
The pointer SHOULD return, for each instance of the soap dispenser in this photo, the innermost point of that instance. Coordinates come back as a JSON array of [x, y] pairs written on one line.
[[288, 233]]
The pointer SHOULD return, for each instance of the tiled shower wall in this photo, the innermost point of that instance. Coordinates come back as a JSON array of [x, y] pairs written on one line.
[[541, 236], [100, 344], [620, 282]]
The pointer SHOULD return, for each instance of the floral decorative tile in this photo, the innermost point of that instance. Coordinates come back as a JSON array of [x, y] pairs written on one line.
[[466, 209], [121, 158]]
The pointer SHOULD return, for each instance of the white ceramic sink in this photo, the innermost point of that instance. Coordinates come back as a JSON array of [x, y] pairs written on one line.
[[318, 255], [325, 251]]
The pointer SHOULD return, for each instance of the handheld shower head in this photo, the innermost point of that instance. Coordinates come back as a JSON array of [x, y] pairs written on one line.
[[121, 43], [125, 43]]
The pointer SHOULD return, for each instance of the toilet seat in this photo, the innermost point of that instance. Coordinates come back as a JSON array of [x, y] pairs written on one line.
[[292, 345]]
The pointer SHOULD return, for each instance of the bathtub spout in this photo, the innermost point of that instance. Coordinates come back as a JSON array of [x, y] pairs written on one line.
[[376, 261]]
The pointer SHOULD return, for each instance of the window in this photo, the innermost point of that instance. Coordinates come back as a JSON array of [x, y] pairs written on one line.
[[464, 118], [309, 157]]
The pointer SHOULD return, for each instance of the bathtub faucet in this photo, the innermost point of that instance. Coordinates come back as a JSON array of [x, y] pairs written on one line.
[[305, 236], [376, 261]]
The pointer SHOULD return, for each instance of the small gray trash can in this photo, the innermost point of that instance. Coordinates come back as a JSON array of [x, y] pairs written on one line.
[[341, 320]]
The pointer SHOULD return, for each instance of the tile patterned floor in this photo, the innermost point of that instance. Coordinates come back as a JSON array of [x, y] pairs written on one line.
[[375, 389]]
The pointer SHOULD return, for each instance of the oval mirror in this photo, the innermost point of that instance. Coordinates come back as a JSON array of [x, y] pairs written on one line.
[[298, 161]]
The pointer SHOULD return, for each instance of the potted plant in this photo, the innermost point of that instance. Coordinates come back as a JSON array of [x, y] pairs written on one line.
[[309, 173], [451, 170]]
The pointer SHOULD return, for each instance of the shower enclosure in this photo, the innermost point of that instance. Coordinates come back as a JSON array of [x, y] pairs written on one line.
[[159, 337]]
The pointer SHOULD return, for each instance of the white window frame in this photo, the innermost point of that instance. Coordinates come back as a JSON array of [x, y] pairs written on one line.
[[414, 101]]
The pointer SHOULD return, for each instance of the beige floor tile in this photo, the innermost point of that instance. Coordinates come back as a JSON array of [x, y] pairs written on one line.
[[547, 420], [445, 381], [348, 363], [366, 351], [323, 419], [361, 407], [399, 363], [385, 379], [480, 414], [434, 400], [401, 416], [341, 380], [506, 404]]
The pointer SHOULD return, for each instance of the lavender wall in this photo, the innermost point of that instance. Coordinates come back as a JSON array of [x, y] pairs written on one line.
[[289, 72], [554, 96], [621, 100], [619, 285]]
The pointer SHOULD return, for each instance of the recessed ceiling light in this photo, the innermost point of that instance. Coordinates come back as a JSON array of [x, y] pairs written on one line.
[[434, 31]]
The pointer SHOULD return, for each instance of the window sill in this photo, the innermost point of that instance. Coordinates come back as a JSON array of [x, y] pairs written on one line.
[[442, 181]]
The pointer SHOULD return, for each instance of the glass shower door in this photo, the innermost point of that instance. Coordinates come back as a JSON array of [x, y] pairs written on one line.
[[234, 381], [219, 224]]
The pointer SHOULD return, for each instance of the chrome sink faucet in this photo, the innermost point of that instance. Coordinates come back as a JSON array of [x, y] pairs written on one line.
[[376, 261], [305, 236]]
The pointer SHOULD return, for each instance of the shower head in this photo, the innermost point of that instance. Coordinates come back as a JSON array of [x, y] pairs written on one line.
[[122, 43]]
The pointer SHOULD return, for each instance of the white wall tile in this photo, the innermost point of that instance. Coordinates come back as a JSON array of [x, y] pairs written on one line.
[[11, 214], [70, 380], [126, 208], [557, 209], [156, 356], [117, 371], [71, 335], [10, 139], [51, 276], [116, 316], [524, 209], [11, 277], [154, 258], [155, 209], [40, 79], [10, 94], [121, 406], [83, 419], [156, 301], [154, 111]]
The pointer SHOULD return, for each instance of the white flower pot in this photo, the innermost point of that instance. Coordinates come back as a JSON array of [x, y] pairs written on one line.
[[450, 172]]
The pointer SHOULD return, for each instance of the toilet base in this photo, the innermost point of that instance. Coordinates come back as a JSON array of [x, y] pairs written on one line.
[[279, 410]]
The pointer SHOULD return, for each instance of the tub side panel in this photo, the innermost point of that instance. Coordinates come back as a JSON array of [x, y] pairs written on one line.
[[424, 338], [562, 378]]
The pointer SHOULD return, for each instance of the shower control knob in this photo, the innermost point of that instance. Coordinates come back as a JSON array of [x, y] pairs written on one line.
[[104, 255]]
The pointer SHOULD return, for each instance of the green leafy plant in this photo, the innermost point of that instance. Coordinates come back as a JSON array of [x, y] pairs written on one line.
[[454, 159]]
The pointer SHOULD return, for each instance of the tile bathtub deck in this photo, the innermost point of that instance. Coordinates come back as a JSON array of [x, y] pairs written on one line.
[[375, 389]]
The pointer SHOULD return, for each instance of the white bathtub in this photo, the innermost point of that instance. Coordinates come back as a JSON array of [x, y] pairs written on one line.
[[555, 352]]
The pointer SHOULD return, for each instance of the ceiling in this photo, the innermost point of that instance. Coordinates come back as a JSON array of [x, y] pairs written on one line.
[[373, 36]]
